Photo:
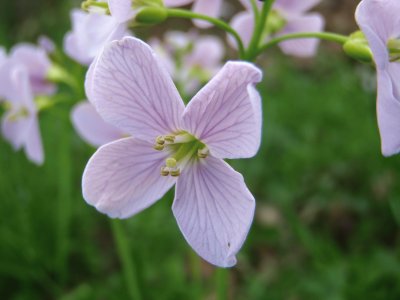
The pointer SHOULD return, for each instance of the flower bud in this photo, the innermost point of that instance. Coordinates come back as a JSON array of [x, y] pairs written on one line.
[[151, 15], [357, 47]]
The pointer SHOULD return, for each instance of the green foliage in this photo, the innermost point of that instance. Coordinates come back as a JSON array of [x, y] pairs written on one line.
[[328, 211]]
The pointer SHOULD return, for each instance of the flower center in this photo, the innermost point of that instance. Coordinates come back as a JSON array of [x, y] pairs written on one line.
[[275, 22], [183, 147], [394, 50], [15, 114]]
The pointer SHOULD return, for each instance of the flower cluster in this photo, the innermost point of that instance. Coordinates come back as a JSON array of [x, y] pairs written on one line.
[[149, 138]]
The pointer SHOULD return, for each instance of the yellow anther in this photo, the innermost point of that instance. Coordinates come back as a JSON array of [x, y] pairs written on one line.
[[160, 140], [159, 147], [169, 138], [164, 171], [175, 173], [170, 162], [202, 153]]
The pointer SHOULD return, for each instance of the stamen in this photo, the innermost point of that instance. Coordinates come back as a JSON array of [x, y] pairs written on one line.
[[175, 173], [202, 153], [171, 162], [169, 138], [160, 140], [164, 171], [159, 147]]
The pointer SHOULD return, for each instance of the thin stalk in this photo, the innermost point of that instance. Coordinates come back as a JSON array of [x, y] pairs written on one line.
[[64, 201], [181, 13], [222, 280], [328, 36], [259, 28], [196, 275], [128, 266], [256, 11]]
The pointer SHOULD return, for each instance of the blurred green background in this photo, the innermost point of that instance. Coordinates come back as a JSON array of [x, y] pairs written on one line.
[[328, 208]]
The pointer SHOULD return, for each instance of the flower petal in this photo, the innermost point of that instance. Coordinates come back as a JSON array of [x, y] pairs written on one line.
[[123, 178], [295, 7], [379, 21], [90, 32], [214, 210], [210, 8], [206, 44], [33, 143], [133, 91], [37, 63], [15, 88], [226, 113], [243, 23], [3, 55], [388, 111], [91, 127], [175, 3], [121, 10], [302, 47]]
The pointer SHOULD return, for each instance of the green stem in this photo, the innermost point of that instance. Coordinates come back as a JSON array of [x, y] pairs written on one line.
[[259, 28], [255, 10], [196, 275], [328, 36], [222, 278], [129, 269], [181, 13], [64, 201]]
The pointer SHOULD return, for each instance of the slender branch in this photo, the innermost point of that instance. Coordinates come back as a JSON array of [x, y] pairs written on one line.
[[181, 13], [259, 28], [328, 36], [256, 12], [222, 283], [128, 267]]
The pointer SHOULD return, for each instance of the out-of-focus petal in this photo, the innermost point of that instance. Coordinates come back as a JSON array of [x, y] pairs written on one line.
[[123, 178], [91, 127], [210, 8], [380, 21], [133, 91], [214, 210], [46, 44], [295, 7], [90, 32], [121, 10], [302, 47], [3, 55], [388, 112], [37, 63], [15, 88], [226, 113], [89, 80], [175, 3], [33, 143], [206, 44], [243, 23]]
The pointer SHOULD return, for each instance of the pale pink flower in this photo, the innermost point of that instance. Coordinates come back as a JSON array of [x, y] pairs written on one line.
[[380, 22], [91, 127], [295, 18], [172, 143], [19, 124], [37, 64], [90, 32], [210, 8], [183, 54]]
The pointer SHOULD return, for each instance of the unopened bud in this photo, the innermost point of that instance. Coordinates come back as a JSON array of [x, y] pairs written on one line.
[[357, 47], [151, 15]]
